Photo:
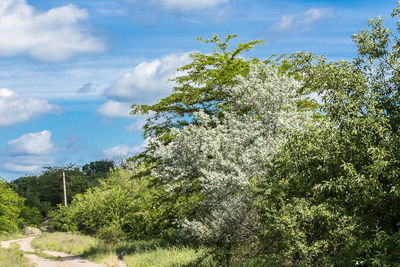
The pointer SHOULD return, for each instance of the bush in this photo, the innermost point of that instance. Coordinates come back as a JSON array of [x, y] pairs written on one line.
[[124, 205], [13, 213]]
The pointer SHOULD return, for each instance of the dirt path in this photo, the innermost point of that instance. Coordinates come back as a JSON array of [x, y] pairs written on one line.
[[65, 260]]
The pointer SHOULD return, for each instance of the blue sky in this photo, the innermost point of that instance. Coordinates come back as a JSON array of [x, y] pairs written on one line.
[[69, 69]]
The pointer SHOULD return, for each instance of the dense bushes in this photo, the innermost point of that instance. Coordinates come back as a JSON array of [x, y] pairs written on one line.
[[124, 205]]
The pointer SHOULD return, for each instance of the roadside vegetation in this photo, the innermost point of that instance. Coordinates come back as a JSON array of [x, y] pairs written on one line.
[[13, 257], [244, 168], [134, 253]]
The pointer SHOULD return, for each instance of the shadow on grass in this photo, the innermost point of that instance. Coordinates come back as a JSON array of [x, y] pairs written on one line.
[[124, 248]]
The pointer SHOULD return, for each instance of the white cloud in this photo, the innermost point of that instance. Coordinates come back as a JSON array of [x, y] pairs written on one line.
[[182, 5], [29, 153], [115, 109], [123, 151], [31, 144], [303, 21], [51, 36], [15, 109], [26, 164], [148, 81]]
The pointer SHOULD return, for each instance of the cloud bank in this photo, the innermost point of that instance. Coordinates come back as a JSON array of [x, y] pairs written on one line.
[[50, 36], [15, 109]]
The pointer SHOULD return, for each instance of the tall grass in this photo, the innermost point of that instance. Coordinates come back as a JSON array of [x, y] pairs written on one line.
[[134, 253], [75, 244], [163, 257], [69, 243], [13, 257]]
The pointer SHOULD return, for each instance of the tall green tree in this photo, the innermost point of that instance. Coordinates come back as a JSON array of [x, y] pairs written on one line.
[[13, 213], [331, 195], [222, 155], [200, 88]]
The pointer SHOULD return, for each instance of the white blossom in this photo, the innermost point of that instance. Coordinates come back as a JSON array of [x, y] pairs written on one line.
[[225, 154]]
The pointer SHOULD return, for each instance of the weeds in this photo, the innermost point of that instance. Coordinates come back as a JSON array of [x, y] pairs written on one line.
[[13, 257]]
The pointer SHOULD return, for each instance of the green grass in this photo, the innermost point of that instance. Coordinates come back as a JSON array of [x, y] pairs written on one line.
[[163, 257], [134, 253], [4, 237], [70, 243], [13, 257]]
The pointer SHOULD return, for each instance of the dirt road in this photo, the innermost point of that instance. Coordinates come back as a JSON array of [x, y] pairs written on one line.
[[65, 260]]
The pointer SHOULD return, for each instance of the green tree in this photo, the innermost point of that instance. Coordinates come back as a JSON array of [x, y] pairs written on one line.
[[200, 88], [45, 191], [331, 195], [11, 209], [222, 155]]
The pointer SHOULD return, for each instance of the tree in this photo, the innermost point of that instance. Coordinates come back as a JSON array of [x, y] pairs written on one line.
[[199, 89], [221, 155], [331, 194], [45, 191], [11, 209], [98, 167]]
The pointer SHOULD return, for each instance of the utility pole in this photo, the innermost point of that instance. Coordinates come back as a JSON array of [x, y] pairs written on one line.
[[65, 190]]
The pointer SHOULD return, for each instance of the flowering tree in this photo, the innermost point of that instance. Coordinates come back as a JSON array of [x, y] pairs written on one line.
[[222, 155]]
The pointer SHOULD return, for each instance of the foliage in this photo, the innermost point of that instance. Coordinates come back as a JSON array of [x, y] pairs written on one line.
[[200, 88], [221, 156], [123, 205], [45, 191], [331, 195], [238, 168], [13, 213]]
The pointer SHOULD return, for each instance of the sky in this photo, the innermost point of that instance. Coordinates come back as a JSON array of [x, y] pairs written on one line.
[[70, 69]]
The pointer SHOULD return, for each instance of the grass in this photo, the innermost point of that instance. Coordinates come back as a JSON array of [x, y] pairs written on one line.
[[4, 237], [134, 253], [70, 243], [163, 258], [13, 257]]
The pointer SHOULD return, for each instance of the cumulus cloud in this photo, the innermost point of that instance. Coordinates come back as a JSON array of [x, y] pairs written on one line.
[[15, 109], [29, 152], [115, 109], [145, 84], [148, 81], [303, 21], [123, 151], [52, 36], [31, 143], [182, 5]]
